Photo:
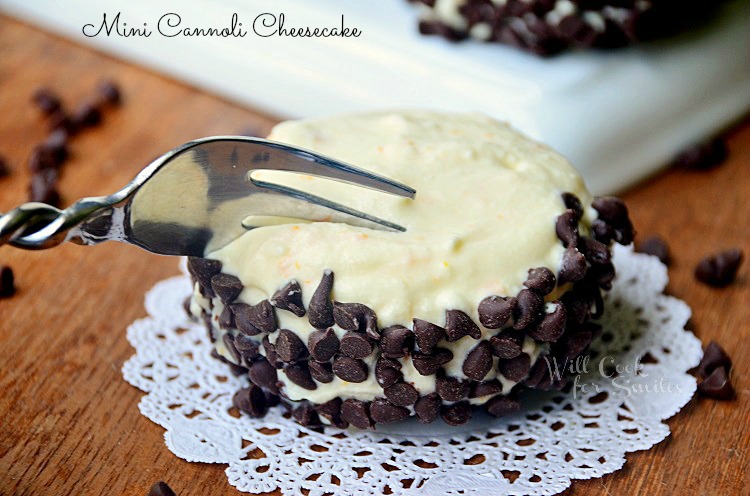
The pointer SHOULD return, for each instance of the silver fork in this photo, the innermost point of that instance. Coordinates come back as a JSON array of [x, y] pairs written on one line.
[[197, 198]]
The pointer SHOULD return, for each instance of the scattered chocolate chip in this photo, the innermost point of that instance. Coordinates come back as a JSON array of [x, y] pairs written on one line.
[[596, 252], [401, 394], [495, 311], [320, 311], [289, 347], [203, 270], [451, 388], [383, 412], [4, 169], [457, 413], [573, 203], [356, 317], [161, 489], [228, 341], [356, 345], [507, 344], [427, 408], [323, 345], [499, 406], [299, 373], [515, 369], [356, 413], [489, 388], [656, 246], [541, 280], [321, 372], [720, 269], [350, 369], [43, 188], [387, 372], [289, 298], [226, 286], [248, 347], [714, 356], [602, 231], [429, 364], [573, 266], [702, 156], [529, 309], [62, 121], [251, 400], [478, 361], [566, 227], [263, 374], [47, 101], [717, 385], [458, 324], [427, 335], [109, 92], [226, 318], [306, 415], [7, 282], [552, 325], [396, 341], [87, 115]]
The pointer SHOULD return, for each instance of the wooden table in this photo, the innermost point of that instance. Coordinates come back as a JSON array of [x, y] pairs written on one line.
[[70, 423]]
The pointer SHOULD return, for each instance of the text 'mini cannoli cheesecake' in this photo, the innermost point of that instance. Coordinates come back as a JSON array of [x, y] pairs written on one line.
[[503, 263]]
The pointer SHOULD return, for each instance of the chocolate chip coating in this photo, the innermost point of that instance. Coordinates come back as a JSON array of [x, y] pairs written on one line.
[[244, 316], [566, 228], [573, 203], [350, 369], [529, 309], [401, 394], [495, 311], [251, 400], [596, 252], [299, 373], [321, 372], [457, 413], [552, 325], [356, 345], [264, 375], [356, 317], [387, 372], [507, 344], [306, 415], [289, 298], [602, 231], [458, 324], [203, 270], [228, 341], [611, 210], [429, 364], [323, 345], [488, 388], [383, 412], [451, 388], [500, 406], [573, 266], [356, 413], [427, 335], [226, 286], [478, 361], [248, 347], [320, 310], [289, 347], [396, 341], [427, 408], [331, 410], [541, 280], [515, 369]]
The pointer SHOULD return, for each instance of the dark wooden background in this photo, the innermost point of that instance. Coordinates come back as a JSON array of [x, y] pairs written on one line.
[[70, 423]]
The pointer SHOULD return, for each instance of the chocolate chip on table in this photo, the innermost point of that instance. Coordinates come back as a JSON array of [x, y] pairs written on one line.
[[350, 369], [427, 335], [456, 414], [541, 280], [489, 388], [109, 92], [552, 326], [714, 356], [356, 317], [427, 408], [47, 101], [7, 282], [720, 269], [289, 298], [248, 347], [702, 156], [573, 266], [507, 344], [60, 120], [478, 361], [396, 341], [529, 309], [458, 324], [4, 169], [161, 489], [656, 246], [321, 372], [356, 413], [566, 228], [226, 286], [387, 372], [323, 345], [263, 374], [251, 400], [43, 188], [289, 347], [495, 311], [383, 412], [87, 115], [299, 373], [401, 394], [203, 269], [306, 415], [320, 310], [429, 364], [515, 369], [451, 388], [356, 345], [499, 406], [717, 385]]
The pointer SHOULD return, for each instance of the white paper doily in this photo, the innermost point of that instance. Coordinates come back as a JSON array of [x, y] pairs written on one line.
[[558, 436]]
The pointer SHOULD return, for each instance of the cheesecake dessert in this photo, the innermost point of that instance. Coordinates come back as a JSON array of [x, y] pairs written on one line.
[[503, 263]]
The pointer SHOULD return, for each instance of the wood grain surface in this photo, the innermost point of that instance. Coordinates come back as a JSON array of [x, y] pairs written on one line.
[[70, 423]]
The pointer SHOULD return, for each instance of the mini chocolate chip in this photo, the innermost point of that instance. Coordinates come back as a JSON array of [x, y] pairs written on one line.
[[203, 269], [331, 410], [109, 92], [7, 282], [529, 309], [4, 169], [263, 374], [227, 287], [489, 388], [251, 400], [47, 101], [244, 318], [720, 269], [320, 310], [495, 311], [356, 345], [500, 406], [306, 415], [625, 234], [702, 156], [552, 325], [248, 347], [602, 231], [507, 344], [401, 394], [42, 188], [573, 203], [427, 408], [350, 369], [458, 324], [289, 347], [87, 115], [356, 317], [289, 298], [161, 489], [457, 413], [387, 372], [541, 280], [451, 388], [356, 413], [573, 344], [478, 361], [396, 341], [538, 373], [226, 318], [515, 369], [382, 412], [573, 266], [321, 372], [427, 335], [566, 228], [270, 351], [656, 246], [228, 340], [714, 356], [717, 385], [577, 306], [429, 364], [603, 275], [323, 345], [299, 373], [596, 252]]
